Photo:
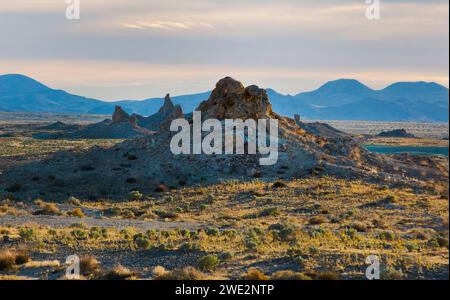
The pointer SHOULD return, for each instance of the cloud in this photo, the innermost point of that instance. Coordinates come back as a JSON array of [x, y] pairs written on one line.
[[168, 25], [286, 44]]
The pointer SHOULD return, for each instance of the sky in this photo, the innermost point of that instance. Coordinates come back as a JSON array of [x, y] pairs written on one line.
[[137, 49]]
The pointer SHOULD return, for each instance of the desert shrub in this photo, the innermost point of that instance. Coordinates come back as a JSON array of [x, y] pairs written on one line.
[[79, 225], [46, 208], [135, 195], [185, 232], [317, 220], [316, 232], [187, 273], [141, 241], [74, 201], [161, 188], [112, 211], [251, 241], [7, 260], [289, 275], [359, 226], [420, 234], [79, 234], [391, 199], [104, 232], [283, 232], [77, 212], [203, 206], [412, 247], [279, 185], [89, 265], [225, 256], [387, 235], [392, 274], [324, 275], [208, 263], [433, 243], [165, 214], [127, 214], [190, 247], [212, 231], [10, 259], [210, 199], [27, 233], [443, 242], [255, 274], [271, 211], [117, 273], [379, 223], [94, 233], [21, 257]]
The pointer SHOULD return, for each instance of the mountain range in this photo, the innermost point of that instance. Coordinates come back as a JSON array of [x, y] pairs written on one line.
[[343, 99]]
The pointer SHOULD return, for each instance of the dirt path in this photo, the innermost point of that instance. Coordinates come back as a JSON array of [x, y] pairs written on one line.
[[62, 222]]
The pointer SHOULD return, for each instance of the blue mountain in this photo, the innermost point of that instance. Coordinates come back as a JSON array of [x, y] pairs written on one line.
[[343, 99]]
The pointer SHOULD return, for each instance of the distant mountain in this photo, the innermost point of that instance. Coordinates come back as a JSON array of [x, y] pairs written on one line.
[[15, 84], [19, 93], [343, 99], [335, 93]]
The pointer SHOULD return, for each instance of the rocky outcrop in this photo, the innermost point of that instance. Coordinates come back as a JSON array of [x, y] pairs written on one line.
[[120, 116], [167, 106], [162, 119], [231, 100]]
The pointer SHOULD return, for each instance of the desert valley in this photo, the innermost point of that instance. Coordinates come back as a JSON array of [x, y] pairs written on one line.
[[109, 190]]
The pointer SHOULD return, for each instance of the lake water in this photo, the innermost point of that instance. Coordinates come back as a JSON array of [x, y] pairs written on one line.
[[413, 150]]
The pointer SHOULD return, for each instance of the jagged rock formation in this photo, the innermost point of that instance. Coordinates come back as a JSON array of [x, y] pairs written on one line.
[[146, 162], [231, 100], [398, 133], [161, 120], [122, 125], [120, 116]]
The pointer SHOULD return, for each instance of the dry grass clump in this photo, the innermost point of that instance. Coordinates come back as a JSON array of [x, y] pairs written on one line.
[[77, 212], [359, 226], [7, 260], [10, 259], [118, 273], [289, 275], [89, 265], [255, 274], [317, 220], [187, 273], [324, 276], [279, 185], [46, 208], [74, 201]]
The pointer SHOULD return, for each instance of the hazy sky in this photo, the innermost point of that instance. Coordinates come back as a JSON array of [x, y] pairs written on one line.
[[135, 49]]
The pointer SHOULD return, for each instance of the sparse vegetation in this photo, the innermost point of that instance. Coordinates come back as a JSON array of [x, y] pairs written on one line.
[[208, 263]]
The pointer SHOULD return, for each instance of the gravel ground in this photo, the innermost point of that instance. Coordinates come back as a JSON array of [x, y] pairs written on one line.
[[62, 222]]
